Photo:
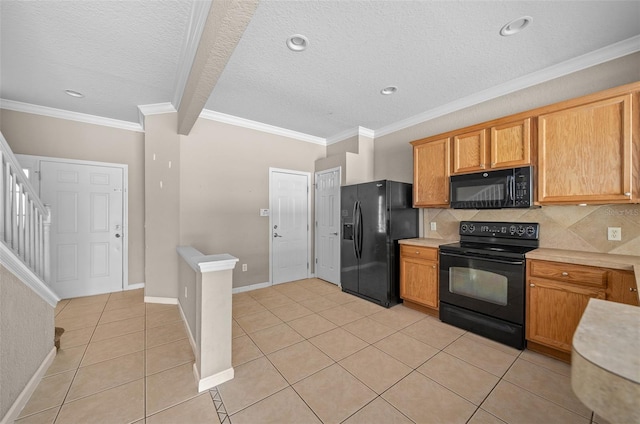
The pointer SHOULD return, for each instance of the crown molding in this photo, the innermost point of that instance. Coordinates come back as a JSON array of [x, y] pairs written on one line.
[[156, 109], [259, 126], [365, 132], [197, 21], [596, 57], [68, 115]]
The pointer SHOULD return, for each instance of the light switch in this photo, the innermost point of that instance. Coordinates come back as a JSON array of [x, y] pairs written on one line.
[[264, 212]]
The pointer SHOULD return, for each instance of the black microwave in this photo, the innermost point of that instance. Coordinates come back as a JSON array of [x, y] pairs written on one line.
[[503, 188]]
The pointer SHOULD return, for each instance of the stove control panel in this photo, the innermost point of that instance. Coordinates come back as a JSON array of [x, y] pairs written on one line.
[[513, 230]]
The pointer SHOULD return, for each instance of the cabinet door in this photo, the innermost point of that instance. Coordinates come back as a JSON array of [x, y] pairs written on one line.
[[431, 164], [554, 311], [470, 152], [419, 281], [511, 144], [585, 153], [622, 288]]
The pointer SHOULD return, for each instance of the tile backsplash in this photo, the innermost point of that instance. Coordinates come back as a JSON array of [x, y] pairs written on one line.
[[581, 228]]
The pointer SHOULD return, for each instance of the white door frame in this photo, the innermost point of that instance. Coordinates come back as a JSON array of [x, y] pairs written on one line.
[[270, 229], [125, 202], [315, 229]]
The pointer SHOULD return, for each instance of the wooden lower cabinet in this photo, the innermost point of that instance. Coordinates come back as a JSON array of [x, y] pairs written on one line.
[[557, 295], [554, 310], [622, 287], [419, 278]]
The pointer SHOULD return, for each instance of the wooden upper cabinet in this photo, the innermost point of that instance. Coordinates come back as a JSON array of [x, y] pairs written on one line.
[[431, 170], [511, 144], [470, 152], [586, 152], [504, 145]]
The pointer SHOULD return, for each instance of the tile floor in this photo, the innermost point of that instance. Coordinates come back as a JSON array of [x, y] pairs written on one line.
[[303, 352]]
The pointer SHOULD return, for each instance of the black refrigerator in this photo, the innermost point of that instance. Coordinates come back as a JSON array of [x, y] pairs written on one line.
[[374, 217]]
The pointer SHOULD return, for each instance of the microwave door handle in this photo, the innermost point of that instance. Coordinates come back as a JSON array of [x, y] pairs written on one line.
[[511, 180]]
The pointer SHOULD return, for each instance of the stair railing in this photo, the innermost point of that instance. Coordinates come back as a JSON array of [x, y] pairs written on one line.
[[24, 220]]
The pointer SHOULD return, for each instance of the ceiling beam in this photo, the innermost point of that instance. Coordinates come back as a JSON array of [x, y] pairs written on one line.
[[226, 22]]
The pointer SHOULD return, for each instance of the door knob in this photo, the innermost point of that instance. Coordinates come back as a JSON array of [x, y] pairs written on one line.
[[334, 234], [117, 235], [276, 235]]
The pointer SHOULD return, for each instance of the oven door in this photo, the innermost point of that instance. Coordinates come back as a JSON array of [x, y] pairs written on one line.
[[489, 286]]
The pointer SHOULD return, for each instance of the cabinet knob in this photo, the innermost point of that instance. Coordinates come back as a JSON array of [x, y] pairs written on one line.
[[433, 266], [628, 194], [633, 289], [417, 252], [532, 285], [564, 274]]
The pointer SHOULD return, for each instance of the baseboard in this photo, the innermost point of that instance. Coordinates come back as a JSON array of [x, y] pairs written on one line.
[[162, 300], [192, 340], [24, 396], [213, 380], [134, 286], [250, 287]]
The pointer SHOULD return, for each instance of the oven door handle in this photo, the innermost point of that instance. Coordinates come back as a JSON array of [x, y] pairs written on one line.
[[484, 258]]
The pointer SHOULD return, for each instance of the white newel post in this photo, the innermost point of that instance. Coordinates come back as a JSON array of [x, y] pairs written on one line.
[[47, 245], [208, 316], [213, 321]]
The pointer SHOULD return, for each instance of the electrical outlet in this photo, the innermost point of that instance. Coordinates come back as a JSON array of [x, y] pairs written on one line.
[[185, 292], [434, 226], [614, 233], [244, 267]]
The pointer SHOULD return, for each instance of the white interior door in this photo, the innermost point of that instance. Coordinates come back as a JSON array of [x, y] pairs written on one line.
[[328, 225], [289, 204], [87, 227]]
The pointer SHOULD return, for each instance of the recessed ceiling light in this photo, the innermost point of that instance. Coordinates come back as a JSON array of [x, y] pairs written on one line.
[[297, 42], [516, 26], [389, 90], [74, 93]]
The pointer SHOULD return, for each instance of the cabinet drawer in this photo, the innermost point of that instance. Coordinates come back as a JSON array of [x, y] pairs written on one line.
[[568, 272], [428, 253]]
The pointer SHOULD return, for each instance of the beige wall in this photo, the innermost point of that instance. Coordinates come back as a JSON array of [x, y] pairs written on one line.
[[162, 209], [394, 155], [26, 336], [224, 182], [38, 135], [354, 156]]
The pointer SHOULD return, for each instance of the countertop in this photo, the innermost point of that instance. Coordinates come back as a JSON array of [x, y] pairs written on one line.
[[426, 242], [605, 372], [604, 260]]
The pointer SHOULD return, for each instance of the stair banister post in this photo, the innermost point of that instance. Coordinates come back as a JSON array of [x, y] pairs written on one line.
[[3, 197], [47, 245]]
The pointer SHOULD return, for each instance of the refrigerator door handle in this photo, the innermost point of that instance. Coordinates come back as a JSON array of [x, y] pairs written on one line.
[[359, 230], [355, 229]]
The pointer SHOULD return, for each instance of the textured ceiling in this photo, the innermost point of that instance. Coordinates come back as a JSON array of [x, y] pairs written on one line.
[[125, 54], [119, 54]]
